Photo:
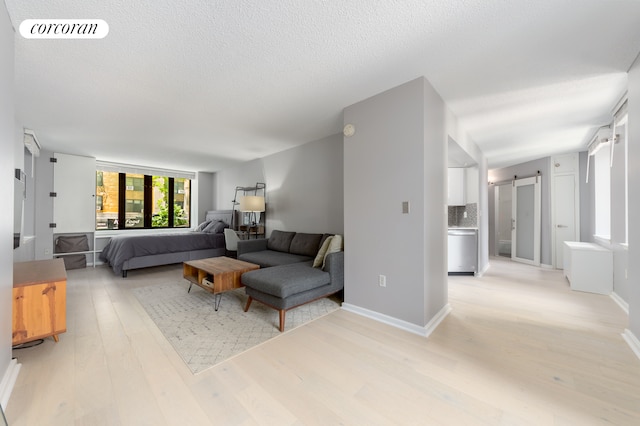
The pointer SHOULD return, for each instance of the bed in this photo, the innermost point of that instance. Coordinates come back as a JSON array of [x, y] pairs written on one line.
[[126, 252]]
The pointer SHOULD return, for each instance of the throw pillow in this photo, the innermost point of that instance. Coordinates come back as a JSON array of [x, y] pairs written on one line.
[[319, 260], [210, 227], [218, 228], [203, 225], [335, 245]]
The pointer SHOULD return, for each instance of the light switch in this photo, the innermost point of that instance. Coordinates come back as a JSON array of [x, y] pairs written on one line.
[[405, 207]]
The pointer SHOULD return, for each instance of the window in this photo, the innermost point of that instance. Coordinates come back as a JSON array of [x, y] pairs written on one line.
[[602, 171], [107, 199], [140, 200]]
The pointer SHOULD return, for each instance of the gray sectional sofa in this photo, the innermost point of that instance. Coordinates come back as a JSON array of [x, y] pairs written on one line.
[[287, 277]]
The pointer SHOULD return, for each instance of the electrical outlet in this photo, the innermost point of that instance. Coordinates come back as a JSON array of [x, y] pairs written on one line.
[[382, 280]]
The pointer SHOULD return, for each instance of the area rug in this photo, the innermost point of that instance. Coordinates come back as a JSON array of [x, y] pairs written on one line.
[[204, 337]]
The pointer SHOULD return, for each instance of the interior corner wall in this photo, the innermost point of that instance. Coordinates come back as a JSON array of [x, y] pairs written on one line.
[[304, 186], [9, 145], [634, 196], [396, 155]]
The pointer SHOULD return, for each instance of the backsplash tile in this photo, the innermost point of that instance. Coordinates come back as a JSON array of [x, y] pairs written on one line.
[[456, 215]]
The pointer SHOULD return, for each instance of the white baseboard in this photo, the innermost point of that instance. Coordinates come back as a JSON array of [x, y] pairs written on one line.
[[398, 323], [8, 381], [620, 301], [484, 270], [632, 341]]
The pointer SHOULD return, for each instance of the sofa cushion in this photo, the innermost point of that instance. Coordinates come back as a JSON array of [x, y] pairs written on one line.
[[286, 280], [280, 240], [305, 244], [268, 258]]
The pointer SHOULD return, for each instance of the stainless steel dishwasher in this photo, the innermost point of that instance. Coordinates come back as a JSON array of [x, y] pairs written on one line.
[[463, 250]]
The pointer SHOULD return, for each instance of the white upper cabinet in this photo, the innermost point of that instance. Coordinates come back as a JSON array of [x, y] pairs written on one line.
[[456, 194]]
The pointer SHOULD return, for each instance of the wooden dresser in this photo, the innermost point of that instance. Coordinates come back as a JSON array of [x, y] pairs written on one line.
[[39, 300]]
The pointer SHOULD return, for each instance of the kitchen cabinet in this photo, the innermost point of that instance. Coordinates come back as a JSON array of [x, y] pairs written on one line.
[[456, 193]]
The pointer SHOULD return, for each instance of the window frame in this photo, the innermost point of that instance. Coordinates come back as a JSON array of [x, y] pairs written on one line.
[[147, 202]]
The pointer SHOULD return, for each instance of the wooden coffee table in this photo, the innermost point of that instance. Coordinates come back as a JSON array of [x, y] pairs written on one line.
[[216, 275]]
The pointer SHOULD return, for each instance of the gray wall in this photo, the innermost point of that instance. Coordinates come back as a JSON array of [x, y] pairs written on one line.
[[398, 153], [634, 198], [9, 146], [203, 197], [304, 186], [524, 170]]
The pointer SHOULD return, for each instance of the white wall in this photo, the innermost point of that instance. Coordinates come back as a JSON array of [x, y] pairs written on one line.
[[304, 186], [9, 146], [398, 153], [634, 198]]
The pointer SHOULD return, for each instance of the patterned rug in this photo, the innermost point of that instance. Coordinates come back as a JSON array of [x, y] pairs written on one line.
[[203, 337]]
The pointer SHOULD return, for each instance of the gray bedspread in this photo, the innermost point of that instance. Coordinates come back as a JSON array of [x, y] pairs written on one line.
[[124, 247]]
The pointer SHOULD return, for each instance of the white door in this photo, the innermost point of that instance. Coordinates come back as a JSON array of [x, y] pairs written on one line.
[[74, 182], [525, 237], [503, 206], [564, 203]]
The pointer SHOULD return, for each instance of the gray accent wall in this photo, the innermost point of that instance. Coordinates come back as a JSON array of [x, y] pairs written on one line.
[[304, 186], [634, 197], [10, 145], [397, 154], [524, 170]]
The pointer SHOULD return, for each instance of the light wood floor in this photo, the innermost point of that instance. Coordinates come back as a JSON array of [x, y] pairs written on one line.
[[519, 348]]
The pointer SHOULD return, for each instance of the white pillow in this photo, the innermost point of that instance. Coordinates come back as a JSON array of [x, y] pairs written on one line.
[[335, 246], [319, 260]]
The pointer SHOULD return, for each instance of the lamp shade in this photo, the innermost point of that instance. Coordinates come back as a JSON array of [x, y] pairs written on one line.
[[251, 203]]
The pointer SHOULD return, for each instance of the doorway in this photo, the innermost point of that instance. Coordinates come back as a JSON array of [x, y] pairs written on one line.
[[503, 223], [526, 217]]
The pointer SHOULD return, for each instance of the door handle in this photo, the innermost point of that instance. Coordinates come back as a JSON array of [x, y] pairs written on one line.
[[562, 226]]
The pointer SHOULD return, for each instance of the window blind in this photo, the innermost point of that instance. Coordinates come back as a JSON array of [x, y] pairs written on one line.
[[151, 171]]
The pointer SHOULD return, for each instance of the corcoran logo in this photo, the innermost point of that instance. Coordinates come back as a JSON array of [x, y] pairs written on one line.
[[64, 28]]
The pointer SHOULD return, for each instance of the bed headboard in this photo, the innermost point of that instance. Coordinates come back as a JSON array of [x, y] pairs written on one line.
[[223, 215]]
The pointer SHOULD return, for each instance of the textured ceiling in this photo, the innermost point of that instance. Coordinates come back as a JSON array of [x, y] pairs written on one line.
[[201, 85]]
